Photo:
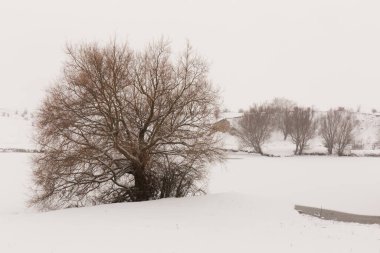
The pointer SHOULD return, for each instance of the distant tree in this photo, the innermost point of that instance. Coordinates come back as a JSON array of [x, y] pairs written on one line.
[[341, 109], [282, 107], [376, 145], [303, 128], [345, 132], [217, 113], [240, 110], [123, 125], [329, 125], [374, 110], [24, 113], [337, 130], [282, 103], [285, 123], [255, 127]]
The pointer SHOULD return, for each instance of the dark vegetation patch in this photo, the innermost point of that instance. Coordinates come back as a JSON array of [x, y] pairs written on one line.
[[326, 214]]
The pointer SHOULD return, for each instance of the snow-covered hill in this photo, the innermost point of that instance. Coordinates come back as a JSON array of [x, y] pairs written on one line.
[[249, 208]]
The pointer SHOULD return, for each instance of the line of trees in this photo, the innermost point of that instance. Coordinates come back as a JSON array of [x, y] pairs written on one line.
[[257, 124]]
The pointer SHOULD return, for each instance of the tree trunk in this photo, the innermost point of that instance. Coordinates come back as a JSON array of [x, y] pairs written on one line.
[[259, 150], [143, 185], [301, 148]]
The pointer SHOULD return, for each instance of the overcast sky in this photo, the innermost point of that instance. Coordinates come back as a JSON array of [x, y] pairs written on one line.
[[322, 52]]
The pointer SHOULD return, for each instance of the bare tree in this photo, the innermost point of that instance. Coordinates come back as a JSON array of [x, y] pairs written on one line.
[[217, 113], [255, 127], [122, 125], [345, 132], [282, 108], [282, 103], [285, 123], [337, 130], [376, 144], [303, 128], [330, 124]]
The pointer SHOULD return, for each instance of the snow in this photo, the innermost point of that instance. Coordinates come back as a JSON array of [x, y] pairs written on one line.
[[348, 184], [14, 187], [230, 115], [249, 209], [16, 132]]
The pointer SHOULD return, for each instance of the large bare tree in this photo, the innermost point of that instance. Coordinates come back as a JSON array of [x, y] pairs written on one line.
[[303, 127], [256, 126], [122, 125]]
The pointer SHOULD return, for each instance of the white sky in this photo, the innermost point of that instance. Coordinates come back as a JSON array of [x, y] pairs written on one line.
[[321, 52]]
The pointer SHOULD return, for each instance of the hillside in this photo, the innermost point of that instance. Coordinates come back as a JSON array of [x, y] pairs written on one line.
[[249, 207]]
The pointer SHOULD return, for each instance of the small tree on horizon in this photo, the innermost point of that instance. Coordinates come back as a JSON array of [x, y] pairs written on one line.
[[303, 128], [345, 133], [282, 107], [256, 127], [286, 123], [329, 129], [337, 130]]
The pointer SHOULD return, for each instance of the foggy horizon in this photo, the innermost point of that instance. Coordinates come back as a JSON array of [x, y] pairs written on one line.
[[323, 54]]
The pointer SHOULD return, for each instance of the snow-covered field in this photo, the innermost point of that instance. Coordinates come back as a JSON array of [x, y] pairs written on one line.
[[15, 131], [249, 209]]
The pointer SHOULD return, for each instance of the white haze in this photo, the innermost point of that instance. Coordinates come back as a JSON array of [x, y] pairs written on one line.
[[323, 53]]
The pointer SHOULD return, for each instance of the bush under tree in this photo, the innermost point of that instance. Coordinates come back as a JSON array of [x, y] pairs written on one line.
[[122, 125]]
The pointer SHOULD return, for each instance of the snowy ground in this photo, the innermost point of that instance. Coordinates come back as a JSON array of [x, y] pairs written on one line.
[[249, 209], [16, 132]]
